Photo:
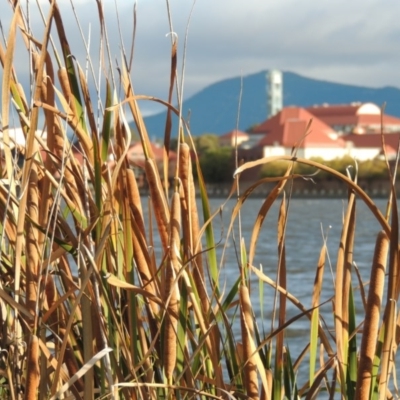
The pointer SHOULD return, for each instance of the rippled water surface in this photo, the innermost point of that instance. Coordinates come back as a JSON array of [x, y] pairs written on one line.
[[308, 221]]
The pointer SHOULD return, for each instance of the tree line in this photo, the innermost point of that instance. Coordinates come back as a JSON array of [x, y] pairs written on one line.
[[218, 164]]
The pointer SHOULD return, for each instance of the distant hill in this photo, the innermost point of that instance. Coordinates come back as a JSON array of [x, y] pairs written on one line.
[[214, 109]]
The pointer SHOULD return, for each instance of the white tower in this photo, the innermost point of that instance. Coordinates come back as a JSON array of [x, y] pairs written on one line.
[[275, 92]]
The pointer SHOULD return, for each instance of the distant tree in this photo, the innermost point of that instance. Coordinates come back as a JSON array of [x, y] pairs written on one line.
[[206, 142], [372, 169], [278, 168], [341, 164], [317, 174], [368, 169], [202, 143], [217, 165], [274, 169]]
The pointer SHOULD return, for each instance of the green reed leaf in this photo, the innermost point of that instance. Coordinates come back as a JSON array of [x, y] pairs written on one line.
[[313, 343], [107, 124]]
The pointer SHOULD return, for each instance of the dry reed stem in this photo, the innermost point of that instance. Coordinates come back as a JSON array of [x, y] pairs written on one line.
[[62, 162], [47, 96], [341, 325], [266, 395], [143, 261], [137, 116], [372, 317], [161, 210], [190, 224], [319, 277], [348, 263], [296, 303], [32, 251], [389, 347], [135, 223], [32, 370], [66, 89], [50, 292], [184, 176], [140, 253], [282, 282], [88, 103], [57, 321], [8, 73], [247, 325], [171, 290], [135, 200], [168, 123]]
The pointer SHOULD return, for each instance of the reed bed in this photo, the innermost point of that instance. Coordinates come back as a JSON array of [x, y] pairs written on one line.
[[107, 294]]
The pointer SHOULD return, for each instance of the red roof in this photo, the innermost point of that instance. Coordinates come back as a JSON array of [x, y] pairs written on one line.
[[367, 114], [373, 140], [289, 126]]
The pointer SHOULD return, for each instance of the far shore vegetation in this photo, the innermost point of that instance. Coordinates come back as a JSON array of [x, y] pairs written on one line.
[[218, 164]]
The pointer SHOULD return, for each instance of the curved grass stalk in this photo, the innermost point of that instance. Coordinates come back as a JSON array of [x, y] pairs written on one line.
[[371, 322]]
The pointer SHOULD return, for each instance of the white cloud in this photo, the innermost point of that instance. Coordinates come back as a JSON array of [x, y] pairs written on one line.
[[350, 42]]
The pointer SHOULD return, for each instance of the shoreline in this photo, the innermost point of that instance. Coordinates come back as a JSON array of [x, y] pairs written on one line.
[[376, 189]]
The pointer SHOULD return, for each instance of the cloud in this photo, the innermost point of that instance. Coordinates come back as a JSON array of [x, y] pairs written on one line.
[[350, 42]]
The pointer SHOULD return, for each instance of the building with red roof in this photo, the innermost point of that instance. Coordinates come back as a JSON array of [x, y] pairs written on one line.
[[327, 131], [356, 118], [295, 127], [369, 146]]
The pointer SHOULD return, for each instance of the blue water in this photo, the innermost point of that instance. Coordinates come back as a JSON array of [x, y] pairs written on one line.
[[308, 222]]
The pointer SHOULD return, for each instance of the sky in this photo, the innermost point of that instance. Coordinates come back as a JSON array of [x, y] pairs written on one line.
[[355, 42]]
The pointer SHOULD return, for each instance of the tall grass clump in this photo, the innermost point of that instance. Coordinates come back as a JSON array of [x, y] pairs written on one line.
[[105, 293]]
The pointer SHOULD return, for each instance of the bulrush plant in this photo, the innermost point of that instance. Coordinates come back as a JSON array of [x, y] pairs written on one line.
[[105, 293]]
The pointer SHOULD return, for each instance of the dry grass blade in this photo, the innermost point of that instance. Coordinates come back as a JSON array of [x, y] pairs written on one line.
[[5, 96], [247, 324], [263, 212], [389, 347], [88, 365], [341, 324], [372, 316], [315, 313], [352, 185], [319, 277], [137, 116], [295, 302]]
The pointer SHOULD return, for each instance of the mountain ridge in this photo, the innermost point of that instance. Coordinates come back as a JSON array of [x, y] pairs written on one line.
[[214, 109]]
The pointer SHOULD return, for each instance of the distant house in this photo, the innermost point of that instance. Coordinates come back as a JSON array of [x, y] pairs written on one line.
[[136, 158], [232, 137], [335, 131], [288, 130], [17, 137], [369, 146], [358, 118]]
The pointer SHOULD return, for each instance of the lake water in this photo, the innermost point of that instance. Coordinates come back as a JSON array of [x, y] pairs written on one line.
[[307, 219]]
